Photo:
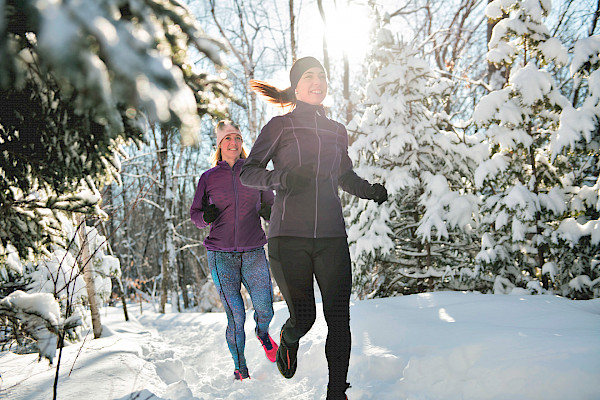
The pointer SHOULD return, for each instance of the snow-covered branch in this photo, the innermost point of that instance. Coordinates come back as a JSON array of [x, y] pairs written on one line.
[[39, 316]]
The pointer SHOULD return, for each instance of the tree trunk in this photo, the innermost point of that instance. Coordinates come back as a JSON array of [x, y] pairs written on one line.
[[595, 19], [85, 263], [325, 50], [493, 70], [538, 217], [183, 279], [347, 88], [292, 31], [117, 279], [122, 296], [164, 178]]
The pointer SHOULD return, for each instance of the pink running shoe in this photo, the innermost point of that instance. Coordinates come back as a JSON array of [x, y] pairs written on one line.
[[269, 346], [241, 374]]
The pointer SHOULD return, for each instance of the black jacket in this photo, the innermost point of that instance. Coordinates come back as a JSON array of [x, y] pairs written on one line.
[[304, 137]]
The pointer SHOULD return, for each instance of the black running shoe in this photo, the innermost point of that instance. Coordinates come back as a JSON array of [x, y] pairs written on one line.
[[286, 359]]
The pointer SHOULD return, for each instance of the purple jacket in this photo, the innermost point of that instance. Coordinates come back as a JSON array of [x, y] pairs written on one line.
[[237, 228], [304, 137]]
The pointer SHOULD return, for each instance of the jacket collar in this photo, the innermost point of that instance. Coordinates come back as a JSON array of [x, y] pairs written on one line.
[[303, 108], [224, 164]]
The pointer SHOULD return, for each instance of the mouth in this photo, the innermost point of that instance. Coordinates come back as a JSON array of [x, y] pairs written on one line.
[[318, 91]]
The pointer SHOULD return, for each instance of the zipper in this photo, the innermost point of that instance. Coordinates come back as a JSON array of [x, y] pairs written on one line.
[[236, 215], [316, 180]]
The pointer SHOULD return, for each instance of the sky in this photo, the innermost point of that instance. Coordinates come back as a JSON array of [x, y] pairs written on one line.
[[442, 345]]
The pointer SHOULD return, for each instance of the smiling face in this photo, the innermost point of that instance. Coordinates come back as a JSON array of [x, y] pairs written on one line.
[[312, 86], [231, 144]]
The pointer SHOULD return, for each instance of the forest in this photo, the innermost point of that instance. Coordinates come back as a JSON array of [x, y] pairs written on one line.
[[481, 118]]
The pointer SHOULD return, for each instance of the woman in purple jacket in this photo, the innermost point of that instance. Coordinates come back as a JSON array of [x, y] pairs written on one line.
[[235, 243], [307, 234]]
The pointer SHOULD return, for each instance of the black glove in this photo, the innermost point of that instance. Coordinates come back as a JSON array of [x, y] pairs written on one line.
[[265, 211], [300, 177], [377, 193], [211, 212]]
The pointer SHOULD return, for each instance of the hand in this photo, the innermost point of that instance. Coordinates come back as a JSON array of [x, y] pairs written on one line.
[[378, 193], [300, 177], [265, 211], [211, 212]]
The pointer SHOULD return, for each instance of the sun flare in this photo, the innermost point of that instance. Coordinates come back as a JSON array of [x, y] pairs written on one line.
[[348, 31]]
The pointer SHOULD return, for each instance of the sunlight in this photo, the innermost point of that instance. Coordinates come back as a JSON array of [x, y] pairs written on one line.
[[348, 31], [444, 316]]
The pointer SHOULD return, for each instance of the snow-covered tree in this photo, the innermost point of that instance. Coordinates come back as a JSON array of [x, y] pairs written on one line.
[[523, 196], [37, 317], [55, 290], [578, 139], [78, 80], [421, 238]]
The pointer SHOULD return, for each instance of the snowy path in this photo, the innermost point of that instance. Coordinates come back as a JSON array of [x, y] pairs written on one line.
[[437, 346], [202, 359]]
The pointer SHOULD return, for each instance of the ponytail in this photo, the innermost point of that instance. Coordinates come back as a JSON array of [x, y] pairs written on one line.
[[271, 94]]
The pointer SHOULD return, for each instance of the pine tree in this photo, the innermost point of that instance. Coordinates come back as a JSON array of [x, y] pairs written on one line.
[[523, 197], [419, 239], [576, 242], [77, 81]]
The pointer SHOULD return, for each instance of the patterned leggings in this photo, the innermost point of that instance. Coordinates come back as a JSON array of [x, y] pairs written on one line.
[[229, 271]]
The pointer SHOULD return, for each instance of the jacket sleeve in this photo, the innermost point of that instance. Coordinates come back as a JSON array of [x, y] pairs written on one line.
[[348, 180], [198, 204], [267, 197], [254, 173]]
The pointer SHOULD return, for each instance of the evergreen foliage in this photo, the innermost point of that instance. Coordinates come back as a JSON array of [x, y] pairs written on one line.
[[577, 238], [77, 81], [525, 184], [422, 238]]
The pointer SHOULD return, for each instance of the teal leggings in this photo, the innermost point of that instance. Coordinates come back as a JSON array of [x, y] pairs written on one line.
[[229, 271]]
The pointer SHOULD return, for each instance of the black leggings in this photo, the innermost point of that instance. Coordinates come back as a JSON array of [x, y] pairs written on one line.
[[294, 262]]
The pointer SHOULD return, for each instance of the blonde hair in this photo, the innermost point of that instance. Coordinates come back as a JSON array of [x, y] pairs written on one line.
[[216, 157]]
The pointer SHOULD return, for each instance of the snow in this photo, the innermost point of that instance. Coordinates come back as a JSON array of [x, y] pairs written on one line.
[[573, 123], [552, 49], [59, 274], [442, 345], [572, 230], [532, 84], [12, 263], [39, 316], [39, 303], [490, 168], [585, 50]]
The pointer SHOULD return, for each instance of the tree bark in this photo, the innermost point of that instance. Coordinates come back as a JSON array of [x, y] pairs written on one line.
[[325, 50], [85, 263], [347, 88], [164, 178], [595, 19], [293, 31], [493, 70], [116, 278]]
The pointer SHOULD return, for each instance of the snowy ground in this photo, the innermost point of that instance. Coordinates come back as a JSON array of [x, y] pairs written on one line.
[[444, 345]]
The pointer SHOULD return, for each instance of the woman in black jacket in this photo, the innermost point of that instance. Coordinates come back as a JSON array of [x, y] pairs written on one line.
[[307, 234]]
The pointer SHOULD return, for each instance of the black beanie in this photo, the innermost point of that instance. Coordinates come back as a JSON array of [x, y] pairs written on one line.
[[301, 66]]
